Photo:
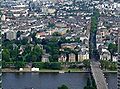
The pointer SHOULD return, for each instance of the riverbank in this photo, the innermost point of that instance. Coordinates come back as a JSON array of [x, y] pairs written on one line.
[[51, 71]]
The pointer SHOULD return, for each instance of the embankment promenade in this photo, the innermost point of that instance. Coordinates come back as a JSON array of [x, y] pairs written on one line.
[[51, 71]]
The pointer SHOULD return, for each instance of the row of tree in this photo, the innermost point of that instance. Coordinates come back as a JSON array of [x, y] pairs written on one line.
[[26, 54], [51, 45], [93, 31]]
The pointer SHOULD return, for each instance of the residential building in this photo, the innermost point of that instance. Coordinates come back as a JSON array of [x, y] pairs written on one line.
[[72, 57], [62, 58], [45, 58]]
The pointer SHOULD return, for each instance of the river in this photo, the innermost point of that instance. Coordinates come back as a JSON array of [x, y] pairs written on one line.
[[50, 80]]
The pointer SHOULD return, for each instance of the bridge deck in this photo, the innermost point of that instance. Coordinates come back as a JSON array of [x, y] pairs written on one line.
[[98, 76]]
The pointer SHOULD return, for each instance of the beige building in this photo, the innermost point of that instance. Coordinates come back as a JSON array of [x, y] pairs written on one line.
[[10, 35], [69, 45], [82, 57], [72, 57]]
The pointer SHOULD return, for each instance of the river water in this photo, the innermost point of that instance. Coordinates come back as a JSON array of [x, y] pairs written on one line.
[[50, 80]]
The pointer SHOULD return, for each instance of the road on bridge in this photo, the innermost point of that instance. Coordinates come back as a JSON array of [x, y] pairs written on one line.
[[98, 76]]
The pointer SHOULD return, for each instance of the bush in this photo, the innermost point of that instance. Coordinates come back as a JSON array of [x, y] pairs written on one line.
[[39, 65], [73, 66], [55, 66], [46, 65], [19, 64], [63, 87]]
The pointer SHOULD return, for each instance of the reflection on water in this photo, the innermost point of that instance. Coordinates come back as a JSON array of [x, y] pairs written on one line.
[[50, 80]]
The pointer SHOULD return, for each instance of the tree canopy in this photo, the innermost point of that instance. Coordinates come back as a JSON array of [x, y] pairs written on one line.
[[63, 87], [112, 49], [6, 55]]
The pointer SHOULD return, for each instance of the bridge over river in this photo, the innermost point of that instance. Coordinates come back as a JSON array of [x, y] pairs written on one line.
[[94, 55]]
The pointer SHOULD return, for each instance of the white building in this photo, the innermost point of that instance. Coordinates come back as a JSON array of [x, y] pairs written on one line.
[[45, 58], [3, 18], [62, 58]]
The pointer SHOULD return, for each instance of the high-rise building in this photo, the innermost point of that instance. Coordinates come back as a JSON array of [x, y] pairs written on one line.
[[118, 73], [11, 35]]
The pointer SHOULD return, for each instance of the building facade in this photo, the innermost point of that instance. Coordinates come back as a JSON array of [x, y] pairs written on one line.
[[118, 73]]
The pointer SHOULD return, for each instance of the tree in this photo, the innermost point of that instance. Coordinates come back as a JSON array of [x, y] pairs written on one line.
[[14, 53], [86, 87], [93, 31], [33, 36], [6, 55], [27, 49], [38, 50], [62, 40], [96, 12], [88, 82], [93, 82], [19, 64], [105, 64], [113, 66], [34, 58], [24, 41], [112, 49], [7, 44], [56, 34], [35, 54], [51, 25], [19, 58], [52, 48], [63, 87], [47, 65], [55, 66], [18, 34], [86, 63], [28, 58], [17, 42]]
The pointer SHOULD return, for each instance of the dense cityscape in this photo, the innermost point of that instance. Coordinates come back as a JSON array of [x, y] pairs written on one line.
[[60, 36]]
